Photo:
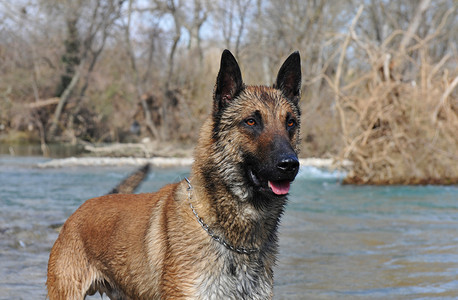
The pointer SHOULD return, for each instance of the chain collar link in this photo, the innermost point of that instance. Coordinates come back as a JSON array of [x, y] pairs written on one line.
[[240, 250]]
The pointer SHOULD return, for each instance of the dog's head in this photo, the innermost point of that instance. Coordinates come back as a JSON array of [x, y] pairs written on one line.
[[256, 129]]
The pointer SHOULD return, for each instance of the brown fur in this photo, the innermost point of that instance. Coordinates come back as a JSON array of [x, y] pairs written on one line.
[[151, 246]]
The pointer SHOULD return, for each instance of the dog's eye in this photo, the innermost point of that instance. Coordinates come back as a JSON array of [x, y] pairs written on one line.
[[250, 122], [291, 123]]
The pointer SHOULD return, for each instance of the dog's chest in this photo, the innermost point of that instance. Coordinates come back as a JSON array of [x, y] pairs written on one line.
[[235, 277]]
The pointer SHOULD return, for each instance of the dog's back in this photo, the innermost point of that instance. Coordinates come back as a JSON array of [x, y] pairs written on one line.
[[92, 248], [212, 236]]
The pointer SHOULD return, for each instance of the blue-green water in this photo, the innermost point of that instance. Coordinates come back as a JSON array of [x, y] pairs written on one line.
[[336, 242]]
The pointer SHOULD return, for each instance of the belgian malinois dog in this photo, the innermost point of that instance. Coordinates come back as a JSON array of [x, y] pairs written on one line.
[[212, 236]]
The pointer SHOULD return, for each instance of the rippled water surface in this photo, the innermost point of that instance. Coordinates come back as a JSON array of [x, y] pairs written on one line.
[[336, 242]]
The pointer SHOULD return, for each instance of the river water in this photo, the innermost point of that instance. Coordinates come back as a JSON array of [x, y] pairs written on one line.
[[336, 242]]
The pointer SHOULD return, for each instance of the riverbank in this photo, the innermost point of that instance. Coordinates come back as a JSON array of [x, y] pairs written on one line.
[[165, 155], [322, 163], [133, 154]]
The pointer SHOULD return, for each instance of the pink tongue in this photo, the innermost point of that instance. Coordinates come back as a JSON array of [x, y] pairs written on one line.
[[279, 188]]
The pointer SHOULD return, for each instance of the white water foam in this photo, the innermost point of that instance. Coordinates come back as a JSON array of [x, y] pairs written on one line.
[[312, 172], [115, 161], [310, 167]]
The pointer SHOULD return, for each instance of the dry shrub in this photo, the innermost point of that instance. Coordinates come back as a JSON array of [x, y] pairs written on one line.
[[402, 132], [399, 119]]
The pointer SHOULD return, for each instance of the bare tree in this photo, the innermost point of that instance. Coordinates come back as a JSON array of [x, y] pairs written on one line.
[[136, 73], [414, 24], [232, 18], [200, 14], [175, 9], [103, 14]]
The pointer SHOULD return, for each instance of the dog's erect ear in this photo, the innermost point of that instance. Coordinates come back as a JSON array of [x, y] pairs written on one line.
[[229, 82], [289, 78]]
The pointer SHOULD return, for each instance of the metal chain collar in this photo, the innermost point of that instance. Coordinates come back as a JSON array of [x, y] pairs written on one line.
[[240, 250]]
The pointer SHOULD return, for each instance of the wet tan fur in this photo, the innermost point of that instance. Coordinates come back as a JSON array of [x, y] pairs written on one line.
[[150, 246]]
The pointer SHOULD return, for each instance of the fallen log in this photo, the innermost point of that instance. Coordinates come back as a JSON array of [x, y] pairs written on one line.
[[130, 184], [41, 103], [127, 186]]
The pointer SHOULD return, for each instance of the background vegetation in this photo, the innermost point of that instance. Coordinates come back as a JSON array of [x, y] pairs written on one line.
[[379, 79]]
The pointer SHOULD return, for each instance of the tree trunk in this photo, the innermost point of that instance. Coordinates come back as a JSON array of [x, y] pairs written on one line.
[[422, 7], [140, 94], [63, 101]]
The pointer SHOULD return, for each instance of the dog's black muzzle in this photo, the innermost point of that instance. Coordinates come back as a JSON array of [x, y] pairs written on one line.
[[276, 170]]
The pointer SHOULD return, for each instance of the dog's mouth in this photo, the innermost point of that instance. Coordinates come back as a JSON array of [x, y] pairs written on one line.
[[279, 188]]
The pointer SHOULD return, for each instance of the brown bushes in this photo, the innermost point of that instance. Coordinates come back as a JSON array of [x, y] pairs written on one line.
[[400, 119], [397, 138]]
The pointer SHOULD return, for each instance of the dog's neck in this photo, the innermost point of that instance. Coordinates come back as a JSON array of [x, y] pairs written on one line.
[[210, 231], [239, 224]]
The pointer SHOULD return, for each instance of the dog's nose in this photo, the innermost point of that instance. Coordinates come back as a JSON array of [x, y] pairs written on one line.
[[288, 165]]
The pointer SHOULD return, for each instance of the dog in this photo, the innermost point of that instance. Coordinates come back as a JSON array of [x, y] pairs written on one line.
[[212, 236]]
